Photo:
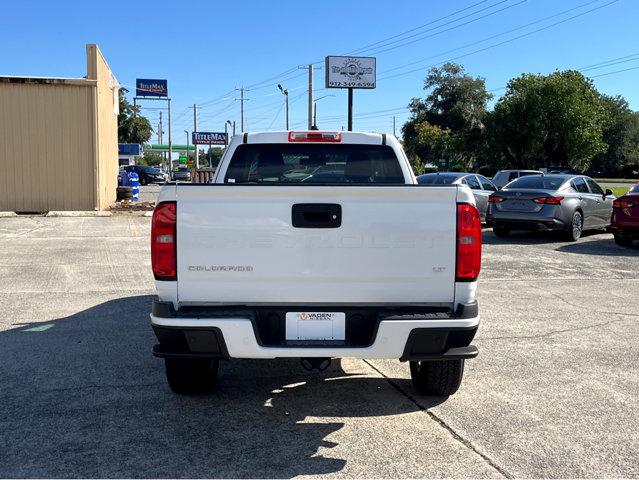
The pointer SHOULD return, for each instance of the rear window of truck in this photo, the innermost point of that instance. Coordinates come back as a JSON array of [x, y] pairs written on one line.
[[275, 163]]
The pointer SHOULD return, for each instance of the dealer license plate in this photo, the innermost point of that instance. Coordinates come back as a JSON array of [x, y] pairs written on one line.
[[315, 326]]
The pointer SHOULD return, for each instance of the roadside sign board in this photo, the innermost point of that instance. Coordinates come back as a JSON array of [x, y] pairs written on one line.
[[147, 87], [351, 72], [130, 149], [209, 138], [182, 160]]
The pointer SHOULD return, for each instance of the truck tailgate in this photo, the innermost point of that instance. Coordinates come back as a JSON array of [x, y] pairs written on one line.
[[237, 245]]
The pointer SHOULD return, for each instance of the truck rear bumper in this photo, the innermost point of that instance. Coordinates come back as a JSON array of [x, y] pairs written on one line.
[[405, 336]]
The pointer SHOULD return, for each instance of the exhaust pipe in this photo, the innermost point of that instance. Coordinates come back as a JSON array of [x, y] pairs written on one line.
[[315, 363]]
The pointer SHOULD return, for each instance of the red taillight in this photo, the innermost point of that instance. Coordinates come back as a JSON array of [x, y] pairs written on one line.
[[468, 243], [495, 199], [623, 203], [548, 200], [314, 137], [163, 254]]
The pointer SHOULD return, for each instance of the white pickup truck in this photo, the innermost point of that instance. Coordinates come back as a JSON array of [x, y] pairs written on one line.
[[315, 245]]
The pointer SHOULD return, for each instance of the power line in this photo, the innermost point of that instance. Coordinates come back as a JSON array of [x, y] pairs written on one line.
[[367, 47], [503, 42], [616, 71], [286, 72], [423, 37], [595, 66], [549, 17], [610, 63]]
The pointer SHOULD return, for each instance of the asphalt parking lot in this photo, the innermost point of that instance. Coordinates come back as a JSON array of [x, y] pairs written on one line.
[[554, 392]]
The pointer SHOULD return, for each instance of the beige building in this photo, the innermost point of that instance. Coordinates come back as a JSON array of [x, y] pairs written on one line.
[[59, 140]]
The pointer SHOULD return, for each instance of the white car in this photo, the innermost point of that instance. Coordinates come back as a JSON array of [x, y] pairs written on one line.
[[315, 245]]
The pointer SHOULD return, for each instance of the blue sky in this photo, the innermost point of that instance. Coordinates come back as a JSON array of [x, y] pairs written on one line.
[[206, 49]]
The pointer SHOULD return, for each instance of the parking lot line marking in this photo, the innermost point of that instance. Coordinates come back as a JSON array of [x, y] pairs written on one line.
[[39, 328]]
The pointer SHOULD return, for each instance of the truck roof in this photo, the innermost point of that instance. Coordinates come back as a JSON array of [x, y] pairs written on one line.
[[364, 138]]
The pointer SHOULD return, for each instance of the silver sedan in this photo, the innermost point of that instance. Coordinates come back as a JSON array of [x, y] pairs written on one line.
[[480, 185], [566, 203]]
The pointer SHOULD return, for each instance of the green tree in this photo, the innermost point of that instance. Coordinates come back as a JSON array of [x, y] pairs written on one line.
[[132, 127], [151, 158], [448, 123], [548, 120], [213, 153], [621, 135]]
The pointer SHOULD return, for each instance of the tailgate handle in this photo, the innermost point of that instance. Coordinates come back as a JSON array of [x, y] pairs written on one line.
[[317, 215]]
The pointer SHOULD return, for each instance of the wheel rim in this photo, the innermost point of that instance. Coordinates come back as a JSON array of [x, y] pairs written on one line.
[[576, 225]]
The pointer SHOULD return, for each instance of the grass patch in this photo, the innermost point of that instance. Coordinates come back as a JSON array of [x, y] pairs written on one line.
[[616, 180], [619, 191]]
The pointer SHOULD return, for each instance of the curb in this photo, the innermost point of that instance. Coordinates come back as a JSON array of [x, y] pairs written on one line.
[[78, 214]]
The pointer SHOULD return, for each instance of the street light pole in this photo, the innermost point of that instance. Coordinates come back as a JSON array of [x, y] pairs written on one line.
[[187, 145], [315, 109], [285, 92], [226, 125]]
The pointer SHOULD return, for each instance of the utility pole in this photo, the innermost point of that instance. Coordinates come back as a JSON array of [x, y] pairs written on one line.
[[242, 90], [170, 141], [394, 126], [310, 94], [197, 157], [160, 136]]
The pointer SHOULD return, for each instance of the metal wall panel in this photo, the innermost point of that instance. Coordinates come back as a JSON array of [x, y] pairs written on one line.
[[58, 141], [46, 147]]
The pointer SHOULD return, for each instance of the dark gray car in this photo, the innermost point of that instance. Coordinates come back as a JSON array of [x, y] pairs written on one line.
[[567, 203], [480, 185], [182, 173]]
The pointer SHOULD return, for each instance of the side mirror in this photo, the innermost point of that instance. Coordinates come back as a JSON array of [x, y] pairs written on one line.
[[608, 192]]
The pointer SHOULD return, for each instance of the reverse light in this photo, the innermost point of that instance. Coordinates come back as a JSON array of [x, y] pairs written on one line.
[[548, 200], [330, 137], [163, 242], [495, 199], [468, 243]]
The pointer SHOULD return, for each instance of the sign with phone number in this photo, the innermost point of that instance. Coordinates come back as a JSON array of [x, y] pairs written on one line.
[[351, 72]]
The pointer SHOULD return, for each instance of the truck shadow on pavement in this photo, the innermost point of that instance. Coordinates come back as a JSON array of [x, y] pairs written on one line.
[[82, 396]]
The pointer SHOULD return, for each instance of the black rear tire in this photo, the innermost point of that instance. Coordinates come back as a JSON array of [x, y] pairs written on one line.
[[501, 232], [622, 240], [124, 193], [437, 377], [188, 376], [575, 229]]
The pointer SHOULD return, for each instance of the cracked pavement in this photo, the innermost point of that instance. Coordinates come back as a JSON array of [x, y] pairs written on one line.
[[554, 392]]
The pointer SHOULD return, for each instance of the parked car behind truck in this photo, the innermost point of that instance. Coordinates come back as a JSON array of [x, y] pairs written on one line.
[[146, 174], [315, 245], [503, 177], [566, 203], [480, 186], [625, 217]]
